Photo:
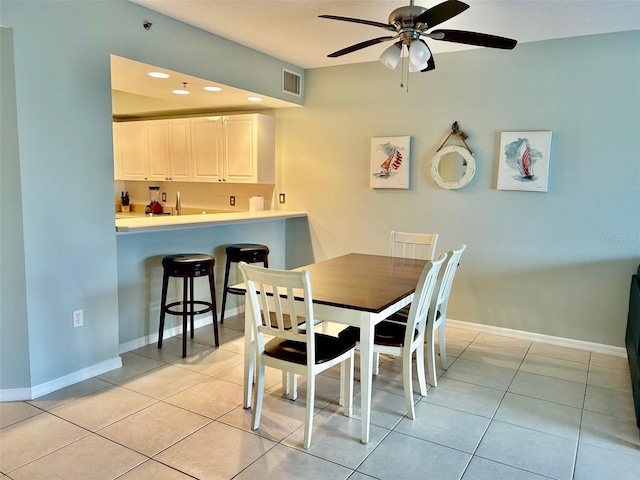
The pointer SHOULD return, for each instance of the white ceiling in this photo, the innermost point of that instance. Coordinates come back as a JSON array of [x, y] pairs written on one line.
[[291, 30]]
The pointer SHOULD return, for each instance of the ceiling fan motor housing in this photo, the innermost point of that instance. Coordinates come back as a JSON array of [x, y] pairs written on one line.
[[404, 20]]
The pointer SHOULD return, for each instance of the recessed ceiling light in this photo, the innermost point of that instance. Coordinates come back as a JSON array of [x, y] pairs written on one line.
[[158, 75], [181, 91], [254, 99], [211, 88]]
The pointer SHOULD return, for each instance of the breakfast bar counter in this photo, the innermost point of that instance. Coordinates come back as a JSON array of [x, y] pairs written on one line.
[[143, 224]]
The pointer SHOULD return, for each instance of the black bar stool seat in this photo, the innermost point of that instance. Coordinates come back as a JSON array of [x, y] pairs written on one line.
[[187, 266], [242, 252]]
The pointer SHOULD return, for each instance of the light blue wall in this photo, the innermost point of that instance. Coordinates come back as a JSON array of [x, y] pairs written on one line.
[[63, 100], [556, 263], [14, 337]]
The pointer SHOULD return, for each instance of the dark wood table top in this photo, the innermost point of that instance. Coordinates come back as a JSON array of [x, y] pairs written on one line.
[[359, 281]]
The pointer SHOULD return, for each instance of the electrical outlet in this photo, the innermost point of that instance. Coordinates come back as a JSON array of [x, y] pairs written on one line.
[[78, 318], [232, 201], [281, 198], [164, 196]]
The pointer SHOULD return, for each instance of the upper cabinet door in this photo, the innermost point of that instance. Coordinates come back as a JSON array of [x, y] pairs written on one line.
[[117, 151], [158, 150], [180, 149], [207, 149], [133, 150], [250, 149]]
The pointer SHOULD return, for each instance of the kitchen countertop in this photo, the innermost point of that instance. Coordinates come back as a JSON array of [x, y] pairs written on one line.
[[138, 224]]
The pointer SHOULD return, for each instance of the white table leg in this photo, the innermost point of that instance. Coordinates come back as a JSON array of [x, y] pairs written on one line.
[[366, 372], [248, 357]]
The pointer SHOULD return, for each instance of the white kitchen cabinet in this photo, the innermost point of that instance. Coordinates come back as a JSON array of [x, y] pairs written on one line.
[[158, 150], [206, 149], [179, 165], [133, 150], [235, 148]]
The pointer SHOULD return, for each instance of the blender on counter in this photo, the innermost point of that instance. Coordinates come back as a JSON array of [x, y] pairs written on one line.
[[154, 206]]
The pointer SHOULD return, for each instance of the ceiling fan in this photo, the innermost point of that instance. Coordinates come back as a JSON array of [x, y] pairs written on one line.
[[412, 22]]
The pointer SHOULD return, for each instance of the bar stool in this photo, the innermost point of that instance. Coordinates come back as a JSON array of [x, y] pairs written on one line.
[[187, 266], [242, 252]]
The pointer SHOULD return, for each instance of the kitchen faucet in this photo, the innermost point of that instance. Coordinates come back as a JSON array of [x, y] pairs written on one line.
[[178, 206]]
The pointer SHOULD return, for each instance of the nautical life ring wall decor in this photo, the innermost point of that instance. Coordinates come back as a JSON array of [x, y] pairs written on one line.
[[468, 173]]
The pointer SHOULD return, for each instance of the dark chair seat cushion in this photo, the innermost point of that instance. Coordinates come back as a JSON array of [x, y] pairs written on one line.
[[327, 348], [402, 315], [387, 333]]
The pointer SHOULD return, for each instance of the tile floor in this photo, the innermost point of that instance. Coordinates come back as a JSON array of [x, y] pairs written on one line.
[[504, 409]]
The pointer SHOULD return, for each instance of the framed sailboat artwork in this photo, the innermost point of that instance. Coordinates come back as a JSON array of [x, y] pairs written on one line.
[[524, 161], [390, 162]]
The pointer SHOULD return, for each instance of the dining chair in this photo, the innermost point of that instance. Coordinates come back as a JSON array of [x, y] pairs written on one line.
[[278, 294], [437, 317], [413, 245], [400, 339]]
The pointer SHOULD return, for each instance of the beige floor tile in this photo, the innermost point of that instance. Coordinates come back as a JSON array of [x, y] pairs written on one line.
[[549, 388], [210, 361], [216, 451], [555, 367], [564, 353], [70, 393], [103, 408], [164, 381], [501, 357], [14, 412], [152, 470], [91, 458], [211, 398], [610, 361], [272, 377], [610, 402], [279, 418], [503, 342], [461, 334], [35, 437], [235, 345], [132, 365], [155, 428], [478, 373], [609, 378], [285, 463]]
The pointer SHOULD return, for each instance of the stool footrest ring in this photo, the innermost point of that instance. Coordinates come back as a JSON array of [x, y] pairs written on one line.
[[191, 304]]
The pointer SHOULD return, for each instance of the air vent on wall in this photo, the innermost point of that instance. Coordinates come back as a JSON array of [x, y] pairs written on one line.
[[290, 82]]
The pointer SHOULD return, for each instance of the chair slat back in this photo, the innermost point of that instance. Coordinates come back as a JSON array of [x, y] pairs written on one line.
[[279, 295], [413, 245], [422, 297], [446, 278]]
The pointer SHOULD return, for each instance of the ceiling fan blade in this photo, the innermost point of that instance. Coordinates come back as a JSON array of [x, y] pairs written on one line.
[[386, 26], [359, 46], [473, 38], [441, 13], [431, 65]]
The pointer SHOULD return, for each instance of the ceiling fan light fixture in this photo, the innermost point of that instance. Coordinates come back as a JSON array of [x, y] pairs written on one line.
[[419, 56], [391, 56]]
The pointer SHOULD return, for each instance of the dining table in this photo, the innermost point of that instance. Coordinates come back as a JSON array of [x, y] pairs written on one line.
[[356, 289]]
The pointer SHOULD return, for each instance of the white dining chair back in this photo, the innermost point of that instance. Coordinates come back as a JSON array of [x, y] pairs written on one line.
[[403, 339], [413, 245], [438, 312], [281, 295]]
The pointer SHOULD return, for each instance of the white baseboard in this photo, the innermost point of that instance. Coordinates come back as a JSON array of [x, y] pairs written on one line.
[[540, 338], [17, 394]]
